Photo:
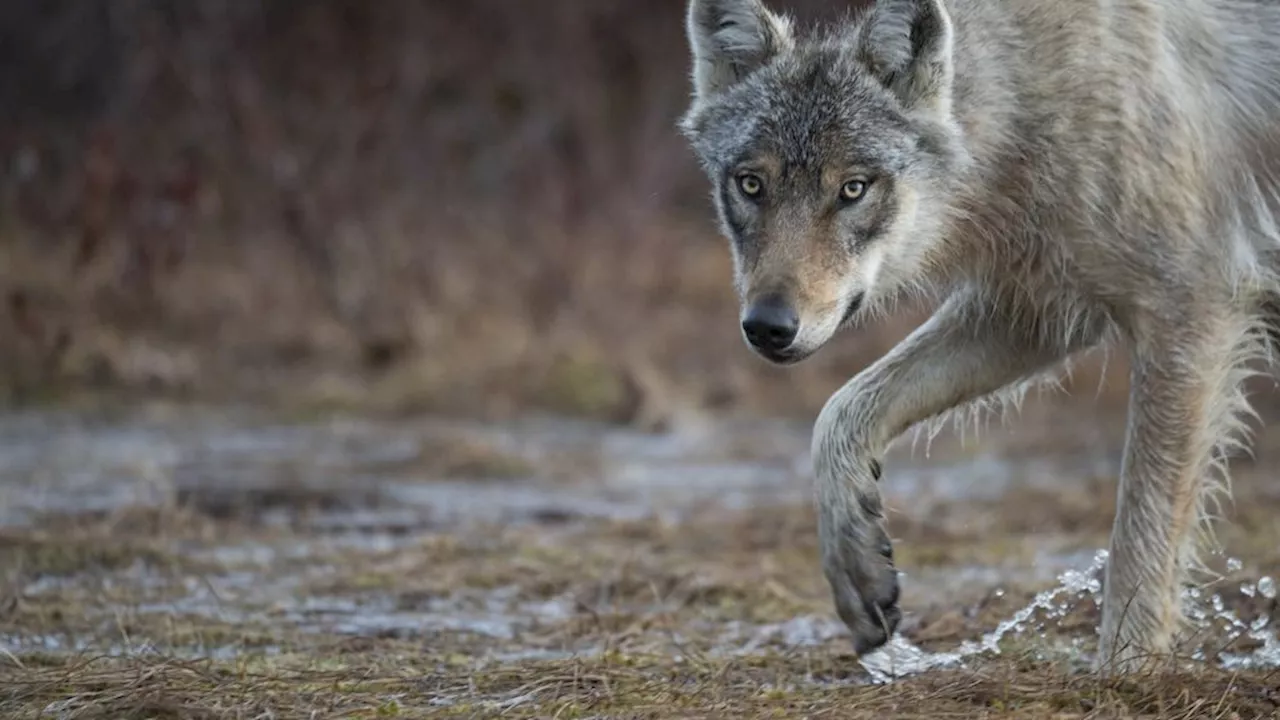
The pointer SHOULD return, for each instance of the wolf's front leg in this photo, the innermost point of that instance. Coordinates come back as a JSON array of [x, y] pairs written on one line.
[[972, 346], [1184, 401]]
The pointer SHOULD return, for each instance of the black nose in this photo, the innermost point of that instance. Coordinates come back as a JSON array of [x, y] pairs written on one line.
[[771, 324]]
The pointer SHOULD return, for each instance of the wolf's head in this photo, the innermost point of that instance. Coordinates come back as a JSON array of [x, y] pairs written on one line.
[[829, 156]]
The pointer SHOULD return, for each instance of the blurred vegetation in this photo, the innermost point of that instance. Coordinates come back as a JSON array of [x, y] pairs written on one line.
[[476, 207]]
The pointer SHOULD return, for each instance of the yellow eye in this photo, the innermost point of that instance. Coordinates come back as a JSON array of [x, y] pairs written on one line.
[[853, 190], [750, 185]]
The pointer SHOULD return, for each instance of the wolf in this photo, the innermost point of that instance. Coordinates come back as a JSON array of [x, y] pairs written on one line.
[[1056, 176]]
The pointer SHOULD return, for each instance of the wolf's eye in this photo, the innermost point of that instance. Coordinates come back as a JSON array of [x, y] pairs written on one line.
[[853, 190], [750, 185]]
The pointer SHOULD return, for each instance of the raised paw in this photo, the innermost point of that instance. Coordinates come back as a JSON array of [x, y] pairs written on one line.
[[857, 558]]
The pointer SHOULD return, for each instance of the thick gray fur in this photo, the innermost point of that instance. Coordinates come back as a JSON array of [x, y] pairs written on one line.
[[1062, 175]]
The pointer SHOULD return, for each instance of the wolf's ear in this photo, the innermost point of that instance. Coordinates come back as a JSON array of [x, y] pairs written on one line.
[[907, 45], [731, 38]]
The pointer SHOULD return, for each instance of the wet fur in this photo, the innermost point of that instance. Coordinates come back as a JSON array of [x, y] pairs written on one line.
[[1064, 176]]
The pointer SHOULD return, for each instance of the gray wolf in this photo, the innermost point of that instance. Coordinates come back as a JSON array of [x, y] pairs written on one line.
[[1059, 175]]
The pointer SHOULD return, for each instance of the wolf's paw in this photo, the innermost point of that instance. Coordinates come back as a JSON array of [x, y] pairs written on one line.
[[857, 558]]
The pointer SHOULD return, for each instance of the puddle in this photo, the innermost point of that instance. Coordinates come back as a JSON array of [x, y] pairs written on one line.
[[352, 473]]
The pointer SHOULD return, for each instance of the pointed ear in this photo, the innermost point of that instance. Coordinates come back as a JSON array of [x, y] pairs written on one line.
[[907, 45], [731, 38]]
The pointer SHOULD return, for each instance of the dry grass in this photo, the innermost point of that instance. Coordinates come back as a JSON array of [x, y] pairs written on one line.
[[374, 685], [648, 611]]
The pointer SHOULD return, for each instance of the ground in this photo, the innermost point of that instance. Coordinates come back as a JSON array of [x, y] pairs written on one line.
[[226, 564]]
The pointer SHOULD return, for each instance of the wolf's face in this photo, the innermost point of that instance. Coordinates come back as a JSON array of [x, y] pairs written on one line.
[[829, 159]]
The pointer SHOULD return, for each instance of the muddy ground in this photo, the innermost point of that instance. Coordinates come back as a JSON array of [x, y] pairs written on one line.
[[197, 563]]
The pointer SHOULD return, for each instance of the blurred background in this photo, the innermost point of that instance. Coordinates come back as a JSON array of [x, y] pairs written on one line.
[[405, 205], [410, 205]]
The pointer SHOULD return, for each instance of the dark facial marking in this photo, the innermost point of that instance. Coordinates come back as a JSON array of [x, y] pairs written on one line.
[[880, 213], [849, 310], [737, 226]]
